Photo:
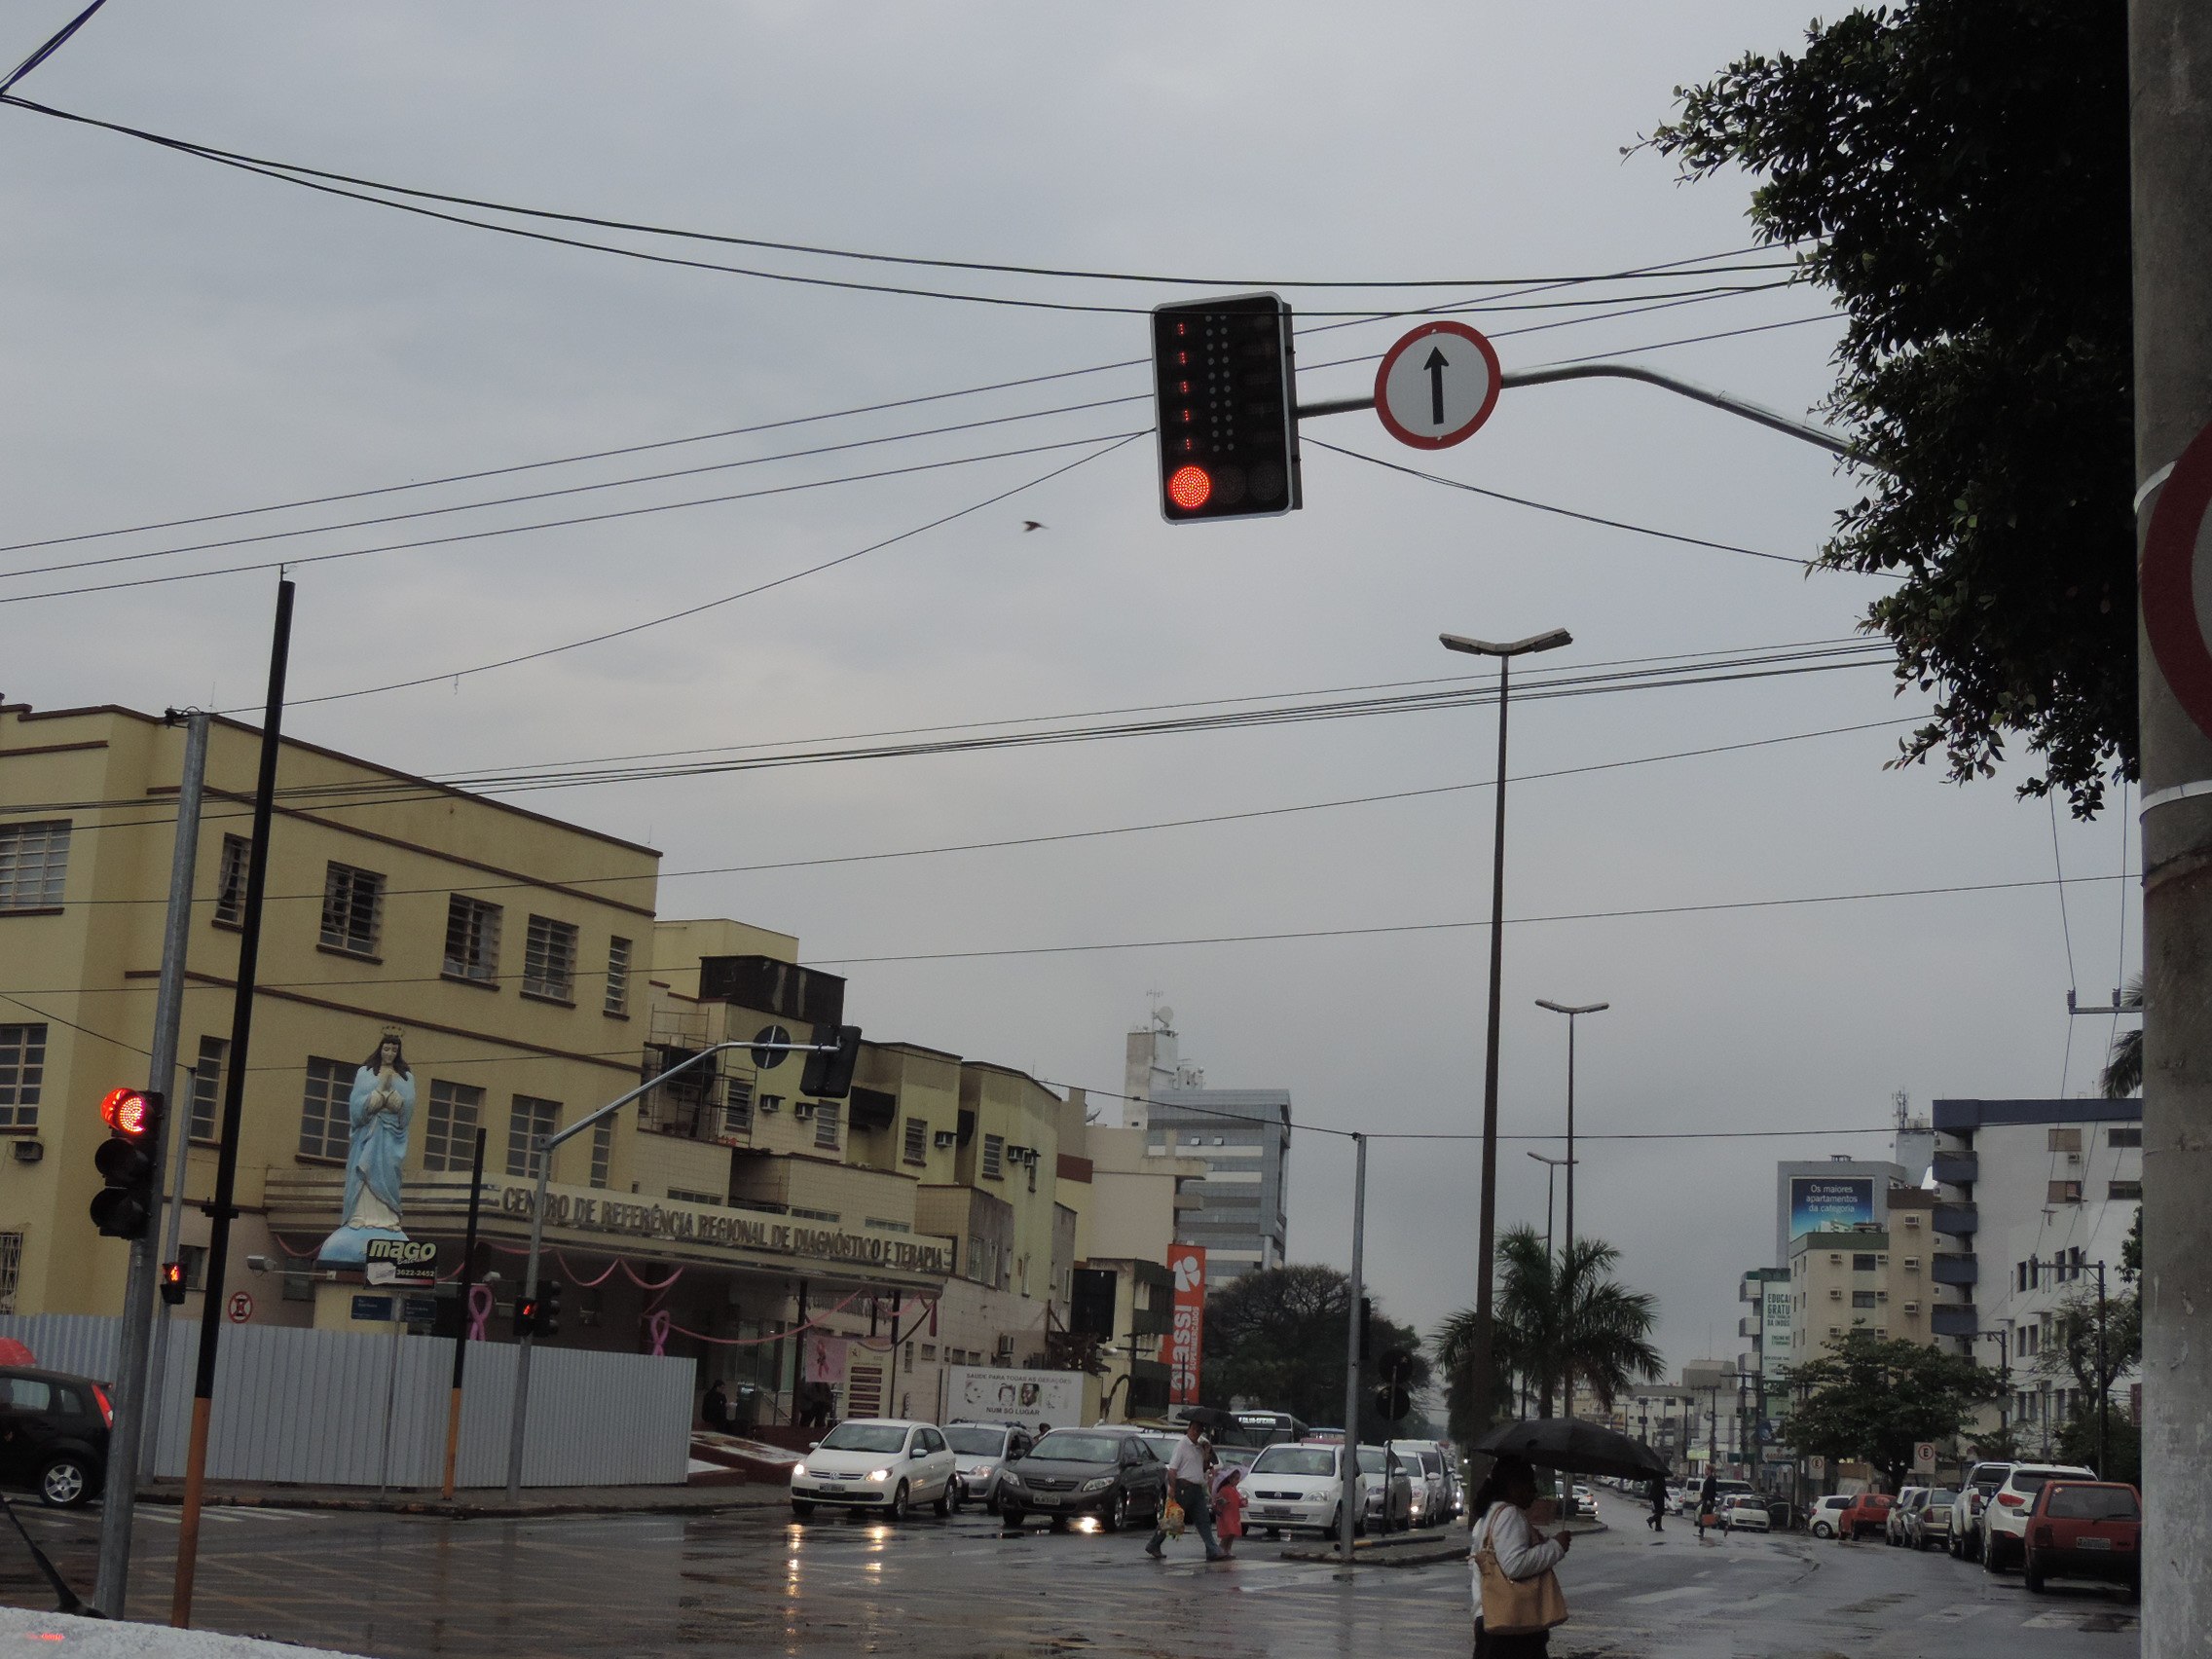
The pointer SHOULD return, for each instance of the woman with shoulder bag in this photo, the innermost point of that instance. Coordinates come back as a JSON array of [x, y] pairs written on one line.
[[1517, 1595]]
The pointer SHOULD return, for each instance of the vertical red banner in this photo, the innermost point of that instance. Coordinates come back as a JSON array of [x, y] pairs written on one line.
[[1186, 1336]]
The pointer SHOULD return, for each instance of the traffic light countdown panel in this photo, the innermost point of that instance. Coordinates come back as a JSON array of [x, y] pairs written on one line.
[[1224, 391]]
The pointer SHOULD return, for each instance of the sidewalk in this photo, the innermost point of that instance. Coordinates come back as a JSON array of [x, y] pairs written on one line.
[[482, 1503]]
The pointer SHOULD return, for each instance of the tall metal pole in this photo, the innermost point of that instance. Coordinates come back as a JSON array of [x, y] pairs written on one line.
[[2103, 1387], [1348, 1520], [221, 1210], [2170, 143], [467, 1285], [189, 794], [1485, 1227], [120, 1491]]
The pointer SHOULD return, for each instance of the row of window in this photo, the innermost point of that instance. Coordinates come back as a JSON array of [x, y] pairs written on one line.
[[2118, 1135], [2070, 1192]]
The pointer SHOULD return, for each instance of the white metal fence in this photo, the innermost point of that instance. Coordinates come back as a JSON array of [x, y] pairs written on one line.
[[333, 1408]]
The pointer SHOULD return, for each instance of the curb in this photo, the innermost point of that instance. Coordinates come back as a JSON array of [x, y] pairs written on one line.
[[457, 1510]]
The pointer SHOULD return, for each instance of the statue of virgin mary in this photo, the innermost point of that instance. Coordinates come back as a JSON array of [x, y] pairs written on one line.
[[380, 1111]]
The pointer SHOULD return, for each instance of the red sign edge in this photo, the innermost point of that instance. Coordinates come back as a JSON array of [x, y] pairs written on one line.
[[1390, 360], [2167, 580]]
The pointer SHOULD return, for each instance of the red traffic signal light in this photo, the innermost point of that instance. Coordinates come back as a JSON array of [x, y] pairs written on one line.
[[132, 1113], [173, 1283], [1226, 399]]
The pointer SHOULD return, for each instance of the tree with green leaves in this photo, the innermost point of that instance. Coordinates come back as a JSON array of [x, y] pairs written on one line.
[[2071, 1349], [1561, 1319], [1871, 1398], [1277, 1339], [1955, 174], [2122, 1075]]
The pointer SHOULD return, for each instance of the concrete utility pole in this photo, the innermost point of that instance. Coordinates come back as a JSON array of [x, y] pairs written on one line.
[[1348, 1520], [2171, 140]]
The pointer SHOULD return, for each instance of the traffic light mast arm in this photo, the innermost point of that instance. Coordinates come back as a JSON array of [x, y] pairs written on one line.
[[1746, 410]]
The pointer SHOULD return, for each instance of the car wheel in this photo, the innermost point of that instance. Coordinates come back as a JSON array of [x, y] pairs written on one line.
[[946, 1502], [1116, 1515], [67, 1482], [899, 1506], [991, 1504], [1059, 1522], [801, 1508], [1336, 1522], [1991, 1557], [2034, 1579], [1821, 1530], [1011, 1518]]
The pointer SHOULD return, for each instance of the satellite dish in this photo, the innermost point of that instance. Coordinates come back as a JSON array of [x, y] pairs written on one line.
[[1165, 1014]]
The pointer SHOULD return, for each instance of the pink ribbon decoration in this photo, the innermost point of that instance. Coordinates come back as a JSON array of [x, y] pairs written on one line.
[[481, 1303], [656, 1327]]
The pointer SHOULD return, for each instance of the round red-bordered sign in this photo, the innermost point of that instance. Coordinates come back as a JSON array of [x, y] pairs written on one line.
[[1439, 397], [240, 1307], [2174, 605]]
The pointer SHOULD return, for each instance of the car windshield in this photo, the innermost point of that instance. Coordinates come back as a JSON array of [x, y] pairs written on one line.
[[1296, 1460], [865, 1437], [977, 1442], [2092, 1503], [1990, 1476], [1943, 1498], [1070, 1447], [1745, 1501], [2031, 1480], [1432, 1464], [1370, 1460]]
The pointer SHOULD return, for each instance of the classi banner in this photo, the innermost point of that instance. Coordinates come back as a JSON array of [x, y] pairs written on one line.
[[1186, 1337]]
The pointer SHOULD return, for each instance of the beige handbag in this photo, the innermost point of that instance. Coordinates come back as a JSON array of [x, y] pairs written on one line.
[[1517, 1606]]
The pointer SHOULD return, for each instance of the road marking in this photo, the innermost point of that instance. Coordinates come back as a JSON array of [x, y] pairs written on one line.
[[1674, 1594]]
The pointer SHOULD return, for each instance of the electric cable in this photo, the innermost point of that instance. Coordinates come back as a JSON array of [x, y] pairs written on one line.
[[53, 44]]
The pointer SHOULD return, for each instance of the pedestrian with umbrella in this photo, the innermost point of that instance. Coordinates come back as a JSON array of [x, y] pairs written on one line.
[[1517, 1595]]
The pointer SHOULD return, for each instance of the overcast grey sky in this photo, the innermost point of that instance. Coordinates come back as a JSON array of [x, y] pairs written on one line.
[[183, 339]]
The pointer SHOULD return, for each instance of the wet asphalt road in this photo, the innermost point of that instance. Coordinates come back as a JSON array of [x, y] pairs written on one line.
[[752, 1581]]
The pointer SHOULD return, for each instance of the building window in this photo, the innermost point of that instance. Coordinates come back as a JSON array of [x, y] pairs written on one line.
[[2131, 1136], [1863, 1263], [2065, 1140], [737, 1106], [601, 1151], [617, 1002], [22, 1074], [449, 1130], [2065, 1192], [34, 860], [353, 907], [918, 1140], [530, 1120], [994, 1158], [204, 1123], [472, 939], [550, 960], [2124, 1190], [825, 1116], [230, 881], [324, 1109], [11, 1269]]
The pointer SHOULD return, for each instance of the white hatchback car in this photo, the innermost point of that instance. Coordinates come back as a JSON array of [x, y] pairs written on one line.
[[1746, 1512], [888, 1465], [2005, 1517], [1301, 1489], [1827, 1514]]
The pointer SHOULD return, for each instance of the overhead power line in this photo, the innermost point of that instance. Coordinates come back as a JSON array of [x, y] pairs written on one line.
[[53, 44]]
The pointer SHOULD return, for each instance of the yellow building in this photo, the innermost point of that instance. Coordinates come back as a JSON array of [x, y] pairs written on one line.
[[1866, 1278], [934, 1217]]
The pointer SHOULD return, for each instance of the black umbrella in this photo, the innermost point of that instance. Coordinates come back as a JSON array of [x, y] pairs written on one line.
[[1578, 1446]]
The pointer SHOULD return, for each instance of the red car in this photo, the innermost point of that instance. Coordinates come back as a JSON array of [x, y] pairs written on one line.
[[2085, 1530], [1868, 1512]]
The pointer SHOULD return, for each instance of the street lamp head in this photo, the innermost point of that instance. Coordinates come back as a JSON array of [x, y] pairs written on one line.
[[1546, 641]]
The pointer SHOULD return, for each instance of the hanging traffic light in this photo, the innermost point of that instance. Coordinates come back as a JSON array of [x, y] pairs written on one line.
[[549, 1308], [525, 1316], [830, 1075], [173, 1283], [1225, 398], [123, 1209]]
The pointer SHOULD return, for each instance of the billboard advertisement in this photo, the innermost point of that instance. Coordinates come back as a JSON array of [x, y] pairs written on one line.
[[1186, 1336], [1774, 1333], [1823, 1204], [1003, 1395]]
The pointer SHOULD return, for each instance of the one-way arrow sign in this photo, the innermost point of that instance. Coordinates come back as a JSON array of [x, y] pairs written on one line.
[[1437, 397]]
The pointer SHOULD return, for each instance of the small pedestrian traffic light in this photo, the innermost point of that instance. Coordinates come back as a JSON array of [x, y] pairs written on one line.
[[124, 1207], [525, 1316], [549, 1308], [1224, 393], [830, 1075], [173, 1283]]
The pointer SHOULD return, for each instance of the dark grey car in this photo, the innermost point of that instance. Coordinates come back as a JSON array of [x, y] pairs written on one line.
[[1102, 1472]]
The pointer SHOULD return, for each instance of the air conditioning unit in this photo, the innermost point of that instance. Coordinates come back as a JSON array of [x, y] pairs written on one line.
[[802, 1109], [1912, 1221], [1881, 1296], [1912, 1264], [942, 1139], [1912, 1307], [1835, 1296], [770, 1103]]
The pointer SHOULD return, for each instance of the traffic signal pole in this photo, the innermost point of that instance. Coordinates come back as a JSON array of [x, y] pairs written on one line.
[[221, 1210], [542, 1147], [135, 1402], [2170, 143]]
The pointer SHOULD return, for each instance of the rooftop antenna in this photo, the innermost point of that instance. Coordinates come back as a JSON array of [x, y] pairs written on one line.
[[1904, 1116]]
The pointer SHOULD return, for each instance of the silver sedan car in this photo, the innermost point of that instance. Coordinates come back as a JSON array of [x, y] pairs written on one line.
[[981, 1452]]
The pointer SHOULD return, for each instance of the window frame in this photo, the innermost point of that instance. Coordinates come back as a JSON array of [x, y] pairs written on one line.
[[828, 1124], [454, 1151], [541, 935], [28, 888], [482, 922], [620, 954], [337, 1111], [522, 1157], [232, 862], [916, 1146], [991, 1164], [19, 1112], [206, 1072], [342, 887]]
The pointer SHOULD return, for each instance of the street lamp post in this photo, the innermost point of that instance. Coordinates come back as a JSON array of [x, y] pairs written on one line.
[[1552, 1167], [1486, 1226], [1566, 1256]]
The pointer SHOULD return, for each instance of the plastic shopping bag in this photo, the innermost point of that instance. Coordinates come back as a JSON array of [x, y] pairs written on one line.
[[1172, 1519]]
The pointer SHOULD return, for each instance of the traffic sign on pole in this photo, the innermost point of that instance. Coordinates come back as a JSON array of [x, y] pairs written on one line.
[[1437, 386], [2177, 579], [240, 1307], [1924, 1457]]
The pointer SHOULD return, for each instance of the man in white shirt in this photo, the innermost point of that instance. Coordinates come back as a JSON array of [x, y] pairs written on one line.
[[1187, 1483]]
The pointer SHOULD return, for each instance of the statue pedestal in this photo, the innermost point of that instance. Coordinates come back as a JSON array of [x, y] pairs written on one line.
[[348, 1246], [334, 1307]]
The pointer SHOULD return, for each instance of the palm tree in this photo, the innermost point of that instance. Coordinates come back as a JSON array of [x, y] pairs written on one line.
[[1558, 1320], [2123, 1067]]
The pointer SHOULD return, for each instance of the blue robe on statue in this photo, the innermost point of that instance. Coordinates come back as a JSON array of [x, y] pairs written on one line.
[[378, 1115]]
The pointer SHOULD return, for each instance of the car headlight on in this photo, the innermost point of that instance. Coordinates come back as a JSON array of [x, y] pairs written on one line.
[[980, 1472], [798, 1469], [879, 1474], [1098, 1485]]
